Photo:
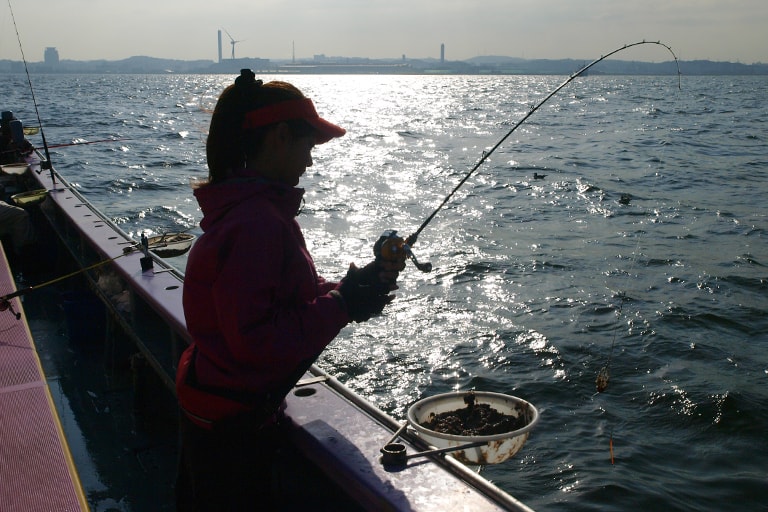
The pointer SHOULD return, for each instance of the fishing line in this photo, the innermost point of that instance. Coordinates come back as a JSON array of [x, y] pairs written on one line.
[[135, 246], [603, 376], [5, 299], [411, 240]]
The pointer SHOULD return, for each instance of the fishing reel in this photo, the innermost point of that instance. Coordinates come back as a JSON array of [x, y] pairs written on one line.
[[5, 304], [391, 247], [146, 261]]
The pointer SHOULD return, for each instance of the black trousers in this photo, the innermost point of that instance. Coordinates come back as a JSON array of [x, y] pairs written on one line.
[[228, 468]]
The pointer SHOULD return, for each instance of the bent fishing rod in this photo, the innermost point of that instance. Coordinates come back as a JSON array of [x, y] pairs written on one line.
[[391, 247]]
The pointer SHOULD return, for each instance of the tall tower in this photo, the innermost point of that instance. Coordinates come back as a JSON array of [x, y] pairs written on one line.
[[51, 56], [219, 46], [442, 53]]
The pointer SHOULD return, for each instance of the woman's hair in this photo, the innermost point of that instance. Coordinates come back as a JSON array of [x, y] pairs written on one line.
[[229, 144]]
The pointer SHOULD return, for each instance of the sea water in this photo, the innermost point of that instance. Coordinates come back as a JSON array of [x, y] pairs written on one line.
[[538, 284]]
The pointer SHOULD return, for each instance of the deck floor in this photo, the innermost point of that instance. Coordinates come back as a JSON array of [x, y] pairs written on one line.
[[36, 468]]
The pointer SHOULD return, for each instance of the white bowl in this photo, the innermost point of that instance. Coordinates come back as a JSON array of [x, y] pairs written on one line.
[[498, 447], [15, 168], [171, 244]]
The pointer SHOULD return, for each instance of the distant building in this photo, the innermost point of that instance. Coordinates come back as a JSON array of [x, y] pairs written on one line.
[[219, 40], [442, 53], [51, 56]]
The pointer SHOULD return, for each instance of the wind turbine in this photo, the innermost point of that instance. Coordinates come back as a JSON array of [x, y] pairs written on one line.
[[233, 42]]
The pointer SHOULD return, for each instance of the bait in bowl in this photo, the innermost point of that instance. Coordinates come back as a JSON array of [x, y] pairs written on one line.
[[490, 449]]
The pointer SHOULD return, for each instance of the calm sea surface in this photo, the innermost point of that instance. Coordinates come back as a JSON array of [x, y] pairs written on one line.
[[537, 283]]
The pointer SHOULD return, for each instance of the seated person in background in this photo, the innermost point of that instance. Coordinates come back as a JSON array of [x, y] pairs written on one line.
[[13, 145], [16, 227]]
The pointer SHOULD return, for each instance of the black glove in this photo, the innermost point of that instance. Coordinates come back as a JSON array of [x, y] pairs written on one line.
[[368, 276], [379, 273], [363, 294]]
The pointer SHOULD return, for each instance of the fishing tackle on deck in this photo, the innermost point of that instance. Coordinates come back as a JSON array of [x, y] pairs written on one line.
[[394, 243]]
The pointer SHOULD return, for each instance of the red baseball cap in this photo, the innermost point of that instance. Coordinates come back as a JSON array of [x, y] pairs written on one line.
[[299, 108]]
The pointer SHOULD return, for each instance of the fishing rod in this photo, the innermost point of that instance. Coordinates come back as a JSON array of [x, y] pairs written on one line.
[[390, 246], [47, 165], [66, 144], [82, 143], [5, 300], [143, 246]]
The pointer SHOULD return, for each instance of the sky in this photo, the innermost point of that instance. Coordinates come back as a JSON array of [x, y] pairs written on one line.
[[719, 30]]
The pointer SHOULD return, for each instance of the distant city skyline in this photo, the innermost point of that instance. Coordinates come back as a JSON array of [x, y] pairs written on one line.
[[731, 31], [347, 65]]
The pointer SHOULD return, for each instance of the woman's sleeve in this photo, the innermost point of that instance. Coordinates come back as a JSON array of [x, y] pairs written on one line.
[[264, 330]]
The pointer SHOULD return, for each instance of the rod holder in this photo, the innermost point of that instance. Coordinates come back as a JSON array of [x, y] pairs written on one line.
[[396, 454], [146, 261]]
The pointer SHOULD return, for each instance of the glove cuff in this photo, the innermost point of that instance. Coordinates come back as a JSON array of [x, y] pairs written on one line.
[[339, 298]]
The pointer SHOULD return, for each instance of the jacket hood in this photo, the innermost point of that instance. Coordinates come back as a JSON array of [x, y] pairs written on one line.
[[216, 200]]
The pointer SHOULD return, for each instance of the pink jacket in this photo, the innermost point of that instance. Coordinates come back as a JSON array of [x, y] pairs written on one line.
[[254, 304]]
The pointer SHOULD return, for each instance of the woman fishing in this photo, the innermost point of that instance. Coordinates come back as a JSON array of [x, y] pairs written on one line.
[[257, 311]]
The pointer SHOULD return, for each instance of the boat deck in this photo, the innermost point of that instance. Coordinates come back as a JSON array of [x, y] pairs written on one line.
[[36, 468], [330, 431]]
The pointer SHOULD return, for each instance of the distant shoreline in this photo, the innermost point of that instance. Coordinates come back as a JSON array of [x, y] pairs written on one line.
[[487, 65]]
